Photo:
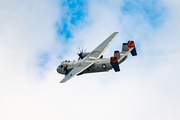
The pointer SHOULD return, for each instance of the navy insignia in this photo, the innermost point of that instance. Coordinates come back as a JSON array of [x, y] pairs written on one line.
[[104, 66]]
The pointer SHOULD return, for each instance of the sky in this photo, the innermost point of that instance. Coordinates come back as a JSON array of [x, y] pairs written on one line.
[[36, 36]]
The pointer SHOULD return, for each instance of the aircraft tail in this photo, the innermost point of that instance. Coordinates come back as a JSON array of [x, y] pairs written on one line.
[[116, 54], [128, 45], [125, 47], [115, 64], [131, 44]]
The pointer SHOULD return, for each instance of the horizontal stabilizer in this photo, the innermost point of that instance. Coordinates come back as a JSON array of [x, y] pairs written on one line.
[[114, 63]]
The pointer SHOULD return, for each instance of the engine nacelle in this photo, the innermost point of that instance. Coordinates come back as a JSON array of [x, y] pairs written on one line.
[[85, 54]]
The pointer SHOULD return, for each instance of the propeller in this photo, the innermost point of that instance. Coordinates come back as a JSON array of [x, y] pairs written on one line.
[[80, 54]]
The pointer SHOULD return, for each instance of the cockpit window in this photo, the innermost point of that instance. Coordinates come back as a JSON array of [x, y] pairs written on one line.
[[61, 66]]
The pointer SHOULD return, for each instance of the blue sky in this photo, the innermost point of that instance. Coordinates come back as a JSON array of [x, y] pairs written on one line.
[[152, 11], [73, 14], [76, 12]]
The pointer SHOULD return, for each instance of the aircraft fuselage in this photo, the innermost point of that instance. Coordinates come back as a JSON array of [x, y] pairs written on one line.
[[100, 65]]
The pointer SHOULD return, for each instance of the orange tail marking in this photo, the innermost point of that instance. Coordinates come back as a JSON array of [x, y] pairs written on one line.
[[114, 60], [131, 44]]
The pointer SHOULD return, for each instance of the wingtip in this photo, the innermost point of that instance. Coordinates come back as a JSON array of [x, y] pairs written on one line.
[[62, 82]]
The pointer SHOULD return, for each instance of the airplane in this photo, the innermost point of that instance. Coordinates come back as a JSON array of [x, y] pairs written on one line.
[[91, 62]]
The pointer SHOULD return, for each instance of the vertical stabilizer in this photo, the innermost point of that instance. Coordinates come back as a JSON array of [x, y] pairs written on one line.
[[125, 47], [131, 44], [116, 54], [114, 63]]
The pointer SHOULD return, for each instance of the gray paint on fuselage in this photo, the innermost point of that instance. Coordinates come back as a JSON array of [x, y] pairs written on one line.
[[98, 66]]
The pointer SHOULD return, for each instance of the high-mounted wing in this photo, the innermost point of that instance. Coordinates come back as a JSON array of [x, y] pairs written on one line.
[[89, 59], [78, 69], [97, 52]]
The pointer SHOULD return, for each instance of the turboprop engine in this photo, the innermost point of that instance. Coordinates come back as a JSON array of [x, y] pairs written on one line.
[[82, 55]]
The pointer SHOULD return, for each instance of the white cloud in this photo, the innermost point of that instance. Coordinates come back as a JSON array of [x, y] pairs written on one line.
[[146, 88]]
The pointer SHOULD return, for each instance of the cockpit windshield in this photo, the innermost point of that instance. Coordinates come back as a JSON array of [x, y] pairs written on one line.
[[60, 66]]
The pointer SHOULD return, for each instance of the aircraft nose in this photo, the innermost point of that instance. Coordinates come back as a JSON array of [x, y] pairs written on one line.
[[58, 70]]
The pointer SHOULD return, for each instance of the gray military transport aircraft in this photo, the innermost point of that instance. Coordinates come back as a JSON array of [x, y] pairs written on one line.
[[90, 62]]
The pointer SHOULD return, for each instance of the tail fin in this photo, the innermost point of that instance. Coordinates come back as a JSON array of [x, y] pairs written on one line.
[[116, 54], [125, 47], [131, 44]]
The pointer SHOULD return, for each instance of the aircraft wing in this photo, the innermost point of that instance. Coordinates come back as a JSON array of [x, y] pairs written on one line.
[[78, 69], [89, 59], [97, 52]]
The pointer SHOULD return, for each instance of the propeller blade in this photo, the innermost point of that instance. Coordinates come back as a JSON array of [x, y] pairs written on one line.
[[81, 52]]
